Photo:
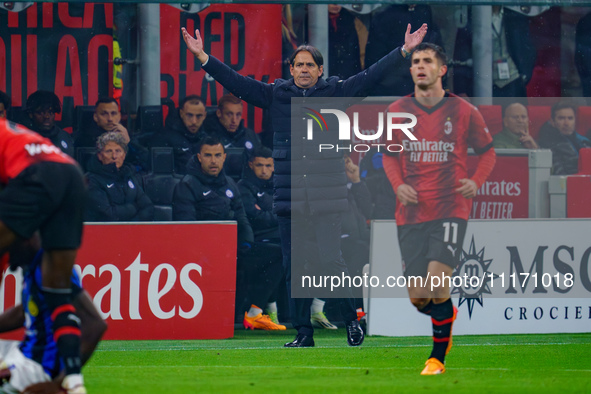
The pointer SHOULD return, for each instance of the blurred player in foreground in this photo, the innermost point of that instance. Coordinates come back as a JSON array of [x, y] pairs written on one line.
[[43, 189], [33, 366], [431, 181]]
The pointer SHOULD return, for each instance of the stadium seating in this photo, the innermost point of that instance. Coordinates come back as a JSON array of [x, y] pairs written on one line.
[[583, 120], [18, 115], [150, 119], [492, 115], [538, 115], [235, 162], [585, 161], [159, 184], [83, 155], [83, 117], [578, 189]]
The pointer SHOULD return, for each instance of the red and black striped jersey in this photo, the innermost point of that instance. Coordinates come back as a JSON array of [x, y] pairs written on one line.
[[21, 147], [437, 160]]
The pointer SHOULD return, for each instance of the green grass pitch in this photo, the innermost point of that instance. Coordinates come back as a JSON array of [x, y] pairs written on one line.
[[255, 362]]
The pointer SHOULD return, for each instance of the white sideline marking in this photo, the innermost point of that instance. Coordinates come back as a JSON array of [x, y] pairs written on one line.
[[293, 367], [280, 346]]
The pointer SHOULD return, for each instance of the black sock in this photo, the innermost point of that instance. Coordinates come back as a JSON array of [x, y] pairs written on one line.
[[442, 320], [66, 328], [427, 308]]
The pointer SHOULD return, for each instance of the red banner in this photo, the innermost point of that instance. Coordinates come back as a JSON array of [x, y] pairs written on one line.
[[157, 281], [505, 194], [61, 47], [232, 33]]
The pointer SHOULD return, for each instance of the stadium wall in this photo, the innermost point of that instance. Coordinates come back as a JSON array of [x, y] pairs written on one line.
[[155, 280], [529, 276]]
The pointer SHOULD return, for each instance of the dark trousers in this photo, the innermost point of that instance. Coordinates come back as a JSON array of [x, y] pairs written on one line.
[[260, 271], [311, 245]]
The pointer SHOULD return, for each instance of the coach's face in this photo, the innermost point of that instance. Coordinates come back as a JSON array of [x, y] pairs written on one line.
[[304, 70]]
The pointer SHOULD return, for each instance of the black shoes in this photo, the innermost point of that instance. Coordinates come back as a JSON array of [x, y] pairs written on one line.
[[355, 335], [303, 341]]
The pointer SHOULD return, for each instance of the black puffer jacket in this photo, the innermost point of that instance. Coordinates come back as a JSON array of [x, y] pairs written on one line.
[[115, 195], [243, 137], [199, 196], [184, 143], [565, 149], [60, 138], [137, 155], [319, 180], [258, 192]]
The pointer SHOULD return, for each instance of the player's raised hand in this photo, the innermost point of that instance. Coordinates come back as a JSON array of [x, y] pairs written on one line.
[[407, 195], [195, 44], [468, 189], [411, 40]]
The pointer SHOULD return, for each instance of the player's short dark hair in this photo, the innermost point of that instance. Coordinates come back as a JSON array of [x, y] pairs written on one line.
[[228, 99], [211, 140], [106, 100], [110, 136], [5, 99], [316, 55], [193, 99], [263, 152], [564, 104], [42, 100], [439, 52]]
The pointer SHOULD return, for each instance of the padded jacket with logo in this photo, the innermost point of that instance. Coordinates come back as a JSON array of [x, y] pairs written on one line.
[[259, 192], [116, 194], [199, 196], [184, 143], [319, 182]]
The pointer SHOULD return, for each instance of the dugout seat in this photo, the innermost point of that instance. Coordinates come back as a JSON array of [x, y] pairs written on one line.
[[493, 117], [150, 119], [235, 162], [538, 115], [83, 155], [83, 117], [159, 184], [583, 120]]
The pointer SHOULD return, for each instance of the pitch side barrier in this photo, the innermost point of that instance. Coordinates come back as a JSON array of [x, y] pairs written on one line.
[[514, 276], [155, 280], [517, 188]]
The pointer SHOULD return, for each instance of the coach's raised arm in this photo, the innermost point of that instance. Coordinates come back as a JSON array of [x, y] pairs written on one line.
[[411, 40]]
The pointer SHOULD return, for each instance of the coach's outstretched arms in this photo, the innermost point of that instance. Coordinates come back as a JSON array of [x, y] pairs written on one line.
[[195, 45]]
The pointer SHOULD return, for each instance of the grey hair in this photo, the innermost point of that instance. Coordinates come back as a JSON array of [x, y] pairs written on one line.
[[110, 136]]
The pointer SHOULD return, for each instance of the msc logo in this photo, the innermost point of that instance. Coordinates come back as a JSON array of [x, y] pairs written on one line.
[[474, 266], [344, 132]]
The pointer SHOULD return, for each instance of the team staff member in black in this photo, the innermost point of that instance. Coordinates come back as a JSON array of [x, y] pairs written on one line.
[[42, 106], [256, 188], [115, 193], [321, 197], [207, 193]]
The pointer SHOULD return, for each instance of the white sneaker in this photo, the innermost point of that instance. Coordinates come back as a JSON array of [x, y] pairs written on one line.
[[319, 320], [74, 384]]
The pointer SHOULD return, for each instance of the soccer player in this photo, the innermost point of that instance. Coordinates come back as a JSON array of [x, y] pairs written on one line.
[[43, 190], [431, 181], [33, 365]]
